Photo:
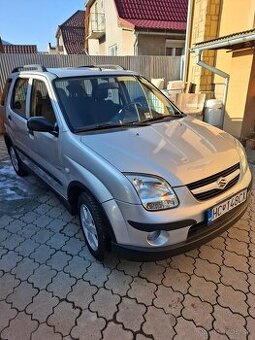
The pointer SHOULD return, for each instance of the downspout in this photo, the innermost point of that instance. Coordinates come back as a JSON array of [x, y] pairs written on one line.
[[219, 73], [136, 44], [187, 40]]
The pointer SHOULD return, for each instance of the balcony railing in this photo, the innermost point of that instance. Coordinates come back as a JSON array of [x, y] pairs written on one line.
[[97, 26]]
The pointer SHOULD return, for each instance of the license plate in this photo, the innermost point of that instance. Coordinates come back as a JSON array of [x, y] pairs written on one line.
[[224, 207]]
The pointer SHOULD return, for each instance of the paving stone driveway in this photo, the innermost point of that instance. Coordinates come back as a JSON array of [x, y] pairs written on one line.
[[51, 287]]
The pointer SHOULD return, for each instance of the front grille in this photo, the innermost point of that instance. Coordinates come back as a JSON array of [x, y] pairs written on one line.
[[212, 179]]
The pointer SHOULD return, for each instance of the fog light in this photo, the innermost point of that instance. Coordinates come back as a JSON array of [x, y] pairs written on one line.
[[152, 236]]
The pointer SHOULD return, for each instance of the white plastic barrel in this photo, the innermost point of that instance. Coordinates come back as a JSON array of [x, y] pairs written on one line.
[[212, 112]]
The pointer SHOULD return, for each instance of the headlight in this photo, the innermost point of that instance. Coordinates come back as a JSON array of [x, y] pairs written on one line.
[[154, 192], [243, 158]]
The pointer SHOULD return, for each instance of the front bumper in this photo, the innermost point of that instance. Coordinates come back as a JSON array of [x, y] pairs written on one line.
[[198, 234]]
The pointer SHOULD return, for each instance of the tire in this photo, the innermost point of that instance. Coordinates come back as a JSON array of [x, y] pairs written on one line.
[[94, 226], [17, 164]]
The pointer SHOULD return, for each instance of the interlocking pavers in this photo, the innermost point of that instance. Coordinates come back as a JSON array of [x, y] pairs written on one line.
[[77, 267], [152, 272], [197, 311], [42, 253], [131, 314], [105, 303], [57, 241], [51, 287], [176, 280], [73, 246], [59, 260], [142, 290], [205, 290], [169, 300], [188, 330], [61, 285], [42, 236], [239, 262], [96, 274], [235, 279], [63, 318], [184, 263], [118, 282], [6, 314], [88, 326], [20, 328], [44, 332], [158, 324], [25, 268], [22, 296], [211, 254], [115, 331], [82, 294], [7, 283], [207, 270], [42, 305], [226, 322], [42, 276]]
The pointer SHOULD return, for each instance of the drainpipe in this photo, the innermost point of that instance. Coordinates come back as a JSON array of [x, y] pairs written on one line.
[[136, 44], [187, 40], [219, 73]]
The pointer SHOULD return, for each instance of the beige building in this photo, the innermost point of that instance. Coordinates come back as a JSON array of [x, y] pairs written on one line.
[[221, 34], [148, 27]]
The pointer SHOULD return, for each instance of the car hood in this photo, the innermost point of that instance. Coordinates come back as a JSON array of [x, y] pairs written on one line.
[[181, 151]]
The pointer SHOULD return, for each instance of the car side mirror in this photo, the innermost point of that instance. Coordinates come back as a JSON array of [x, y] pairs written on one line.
[[42, 124]]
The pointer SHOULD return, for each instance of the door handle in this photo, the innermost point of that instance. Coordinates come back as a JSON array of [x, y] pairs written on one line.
[[9, 117]]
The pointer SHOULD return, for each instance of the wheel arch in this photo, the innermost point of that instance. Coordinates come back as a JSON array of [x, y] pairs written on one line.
[[74, 190]]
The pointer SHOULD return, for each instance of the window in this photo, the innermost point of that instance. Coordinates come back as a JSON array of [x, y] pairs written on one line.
[[175, 47], [5, 92], [40, 102], [113, 50], [19, 97]]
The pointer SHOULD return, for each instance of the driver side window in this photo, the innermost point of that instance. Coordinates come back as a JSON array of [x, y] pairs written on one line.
[[40, 102]]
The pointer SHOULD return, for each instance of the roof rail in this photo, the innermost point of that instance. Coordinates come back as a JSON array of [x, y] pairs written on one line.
[[32, 67], [104, 66]]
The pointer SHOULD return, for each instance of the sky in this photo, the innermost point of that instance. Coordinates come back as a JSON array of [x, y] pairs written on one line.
[[34, 22]]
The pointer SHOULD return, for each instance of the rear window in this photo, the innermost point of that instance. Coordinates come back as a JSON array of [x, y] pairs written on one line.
[[5, 92]]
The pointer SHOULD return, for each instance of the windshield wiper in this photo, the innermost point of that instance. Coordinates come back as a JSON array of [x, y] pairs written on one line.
[[110, 126], [176, 116]]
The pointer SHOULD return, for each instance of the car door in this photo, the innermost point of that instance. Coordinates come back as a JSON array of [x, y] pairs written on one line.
[[45, 146], [17, 113]]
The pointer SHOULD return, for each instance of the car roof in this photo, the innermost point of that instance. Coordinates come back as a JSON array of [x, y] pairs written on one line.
[[74, 71]]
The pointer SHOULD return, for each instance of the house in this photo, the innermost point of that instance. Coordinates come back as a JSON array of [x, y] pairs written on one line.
[[221, 38], [135, 27], [17, 49], [70, 36]]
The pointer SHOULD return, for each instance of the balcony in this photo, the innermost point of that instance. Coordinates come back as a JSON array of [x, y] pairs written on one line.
[[96, 26]]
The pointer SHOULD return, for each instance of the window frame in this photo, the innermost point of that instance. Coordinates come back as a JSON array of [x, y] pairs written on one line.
[[6, 92], [27, 98]]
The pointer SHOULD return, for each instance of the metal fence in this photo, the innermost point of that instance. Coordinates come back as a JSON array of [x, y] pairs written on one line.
[[149, 66]]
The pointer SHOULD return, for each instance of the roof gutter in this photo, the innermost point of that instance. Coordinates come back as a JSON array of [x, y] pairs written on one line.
[[219, 73], [227, 43]]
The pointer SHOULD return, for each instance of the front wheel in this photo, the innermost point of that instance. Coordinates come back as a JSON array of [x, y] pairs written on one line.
[[16, 162], [94, 226]]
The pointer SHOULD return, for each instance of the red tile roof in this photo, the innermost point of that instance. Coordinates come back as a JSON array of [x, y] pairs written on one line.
[[73, 33], [153, 14], [20, 49]]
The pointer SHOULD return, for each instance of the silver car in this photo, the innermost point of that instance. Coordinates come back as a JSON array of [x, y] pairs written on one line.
[[145, 179]]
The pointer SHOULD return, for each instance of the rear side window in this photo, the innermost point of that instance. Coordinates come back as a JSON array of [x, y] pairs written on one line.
[[19, 97], [5, 92]]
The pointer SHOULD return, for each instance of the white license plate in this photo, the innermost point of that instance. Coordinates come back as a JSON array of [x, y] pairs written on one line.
[[222, 208]]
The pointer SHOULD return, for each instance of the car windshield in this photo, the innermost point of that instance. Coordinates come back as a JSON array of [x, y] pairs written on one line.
[[110, 102]]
